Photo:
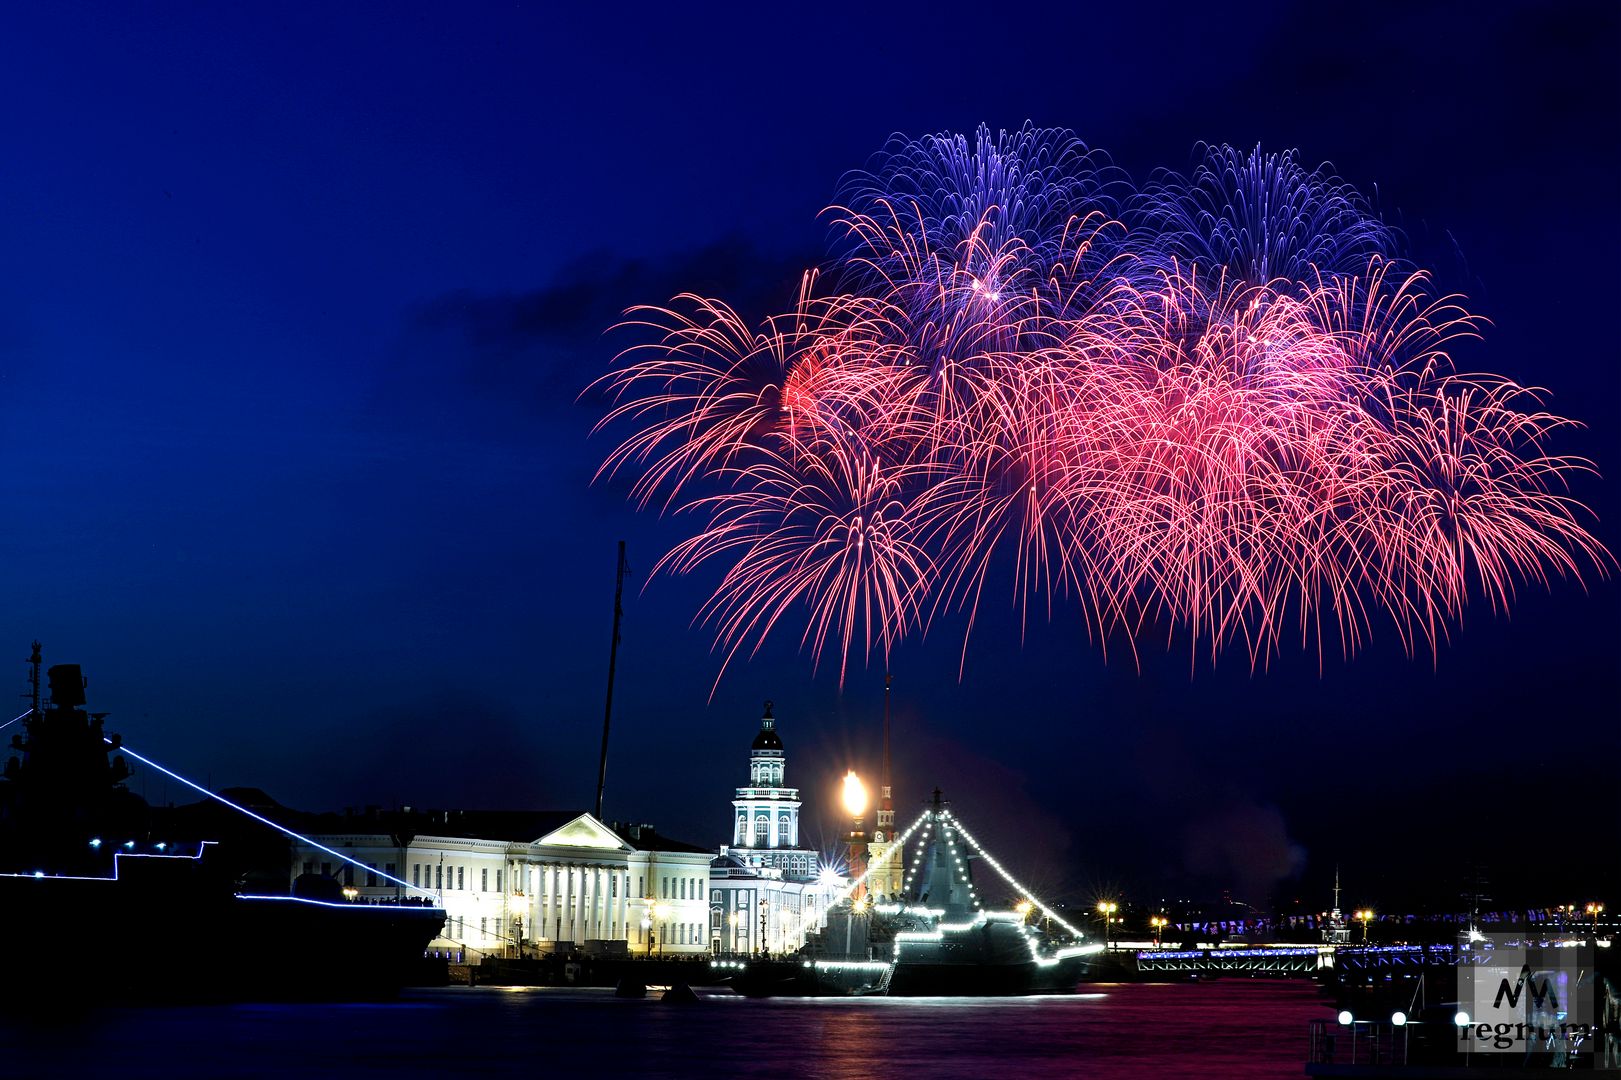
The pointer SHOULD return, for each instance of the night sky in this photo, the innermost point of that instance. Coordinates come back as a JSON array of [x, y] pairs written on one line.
[[296, 307]]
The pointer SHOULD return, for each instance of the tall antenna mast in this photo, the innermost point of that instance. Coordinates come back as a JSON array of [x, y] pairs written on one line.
[[613, 657], [33, 681]]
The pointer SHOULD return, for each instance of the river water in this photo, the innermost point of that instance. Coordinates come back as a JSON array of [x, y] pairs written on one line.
[[1228, 1028]]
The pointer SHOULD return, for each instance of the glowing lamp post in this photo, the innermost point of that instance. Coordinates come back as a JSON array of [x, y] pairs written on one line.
[[656, 913], [855, 804], [1364, 916], [1594, 910], [1158, 922], [1107, 909], [1024, 908]]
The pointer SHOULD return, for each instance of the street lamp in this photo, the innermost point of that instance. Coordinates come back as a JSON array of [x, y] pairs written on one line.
[[733, 918], [1365, 916], [1158, 922], [1595, 909], [1107, 909], [855, 804], [764, 907], [647, 932], [1024, 908], [661, 912]]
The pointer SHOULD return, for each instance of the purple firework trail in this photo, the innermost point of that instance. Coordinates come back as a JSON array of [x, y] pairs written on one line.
[[1221, 404]]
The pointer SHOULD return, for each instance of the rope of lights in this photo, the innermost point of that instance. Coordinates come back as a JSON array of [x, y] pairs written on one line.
[[264, 820], [849, 890], [1009, 878]]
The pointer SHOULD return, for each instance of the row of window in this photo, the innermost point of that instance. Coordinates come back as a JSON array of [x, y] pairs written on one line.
[[689, 888], [349, 872], [762, 829], [441, 877], [684, 934]]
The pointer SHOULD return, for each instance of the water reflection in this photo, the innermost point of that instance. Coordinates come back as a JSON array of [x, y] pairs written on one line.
[[1231, 1028]]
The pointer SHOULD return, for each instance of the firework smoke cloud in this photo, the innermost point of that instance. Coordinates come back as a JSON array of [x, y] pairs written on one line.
[[1219, 406]]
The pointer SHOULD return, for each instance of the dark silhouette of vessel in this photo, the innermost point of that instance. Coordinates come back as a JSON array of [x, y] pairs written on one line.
[[934, 939], [117, 909]]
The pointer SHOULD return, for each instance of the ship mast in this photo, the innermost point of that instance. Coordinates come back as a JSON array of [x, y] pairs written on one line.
[[613, 656], [34, 662]]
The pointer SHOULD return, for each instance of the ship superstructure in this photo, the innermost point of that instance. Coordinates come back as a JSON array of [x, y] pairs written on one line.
[[937, 937], [79, 855]]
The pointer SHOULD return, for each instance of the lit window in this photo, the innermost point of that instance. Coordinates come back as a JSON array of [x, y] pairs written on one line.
[[461, 877], [484, 881]]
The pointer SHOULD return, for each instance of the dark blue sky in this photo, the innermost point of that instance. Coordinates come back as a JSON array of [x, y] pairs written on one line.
[[295, 306]]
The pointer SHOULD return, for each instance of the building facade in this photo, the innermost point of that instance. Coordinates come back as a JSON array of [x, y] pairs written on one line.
[[765, 890], [528, 884], [765, 812]]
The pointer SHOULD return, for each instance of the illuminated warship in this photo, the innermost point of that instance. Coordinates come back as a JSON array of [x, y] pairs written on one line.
[[934, 938], [122, 908]]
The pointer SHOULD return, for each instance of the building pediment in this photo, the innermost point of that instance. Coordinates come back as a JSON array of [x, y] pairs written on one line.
[[585, 831]]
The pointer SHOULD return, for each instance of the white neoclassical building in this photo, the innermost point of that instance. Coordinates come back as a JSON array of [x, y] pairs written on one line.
[[540, 882], [764, 889]]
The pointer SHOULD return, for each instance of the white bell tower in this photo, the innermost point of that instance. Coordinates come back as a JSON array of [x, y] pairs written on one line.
[[765, 814]]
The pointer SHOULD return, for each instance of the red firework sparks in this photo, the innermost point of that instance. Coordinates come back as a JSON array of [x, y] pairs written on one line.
[[1011, 378]]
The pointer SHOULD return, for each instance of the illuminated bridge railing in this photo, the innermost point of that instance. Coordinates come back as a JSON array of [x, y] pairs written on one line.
[[1304, 959], [1396, 956], [1280, 960]]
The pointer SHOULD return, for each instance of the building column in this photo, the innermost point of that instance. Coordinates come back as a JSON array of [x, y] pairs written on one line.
[[568, 899], [596, 903], [545, 898], [602, 902], [579, 912]]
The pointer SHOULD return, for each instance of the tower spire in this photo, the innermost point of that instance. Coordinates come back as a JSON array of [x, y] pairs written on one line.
[[884, 792]]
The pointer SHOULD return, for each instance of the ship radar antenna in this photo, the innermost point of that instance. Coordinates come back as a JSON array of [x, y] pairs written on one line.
[[34, 662]]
